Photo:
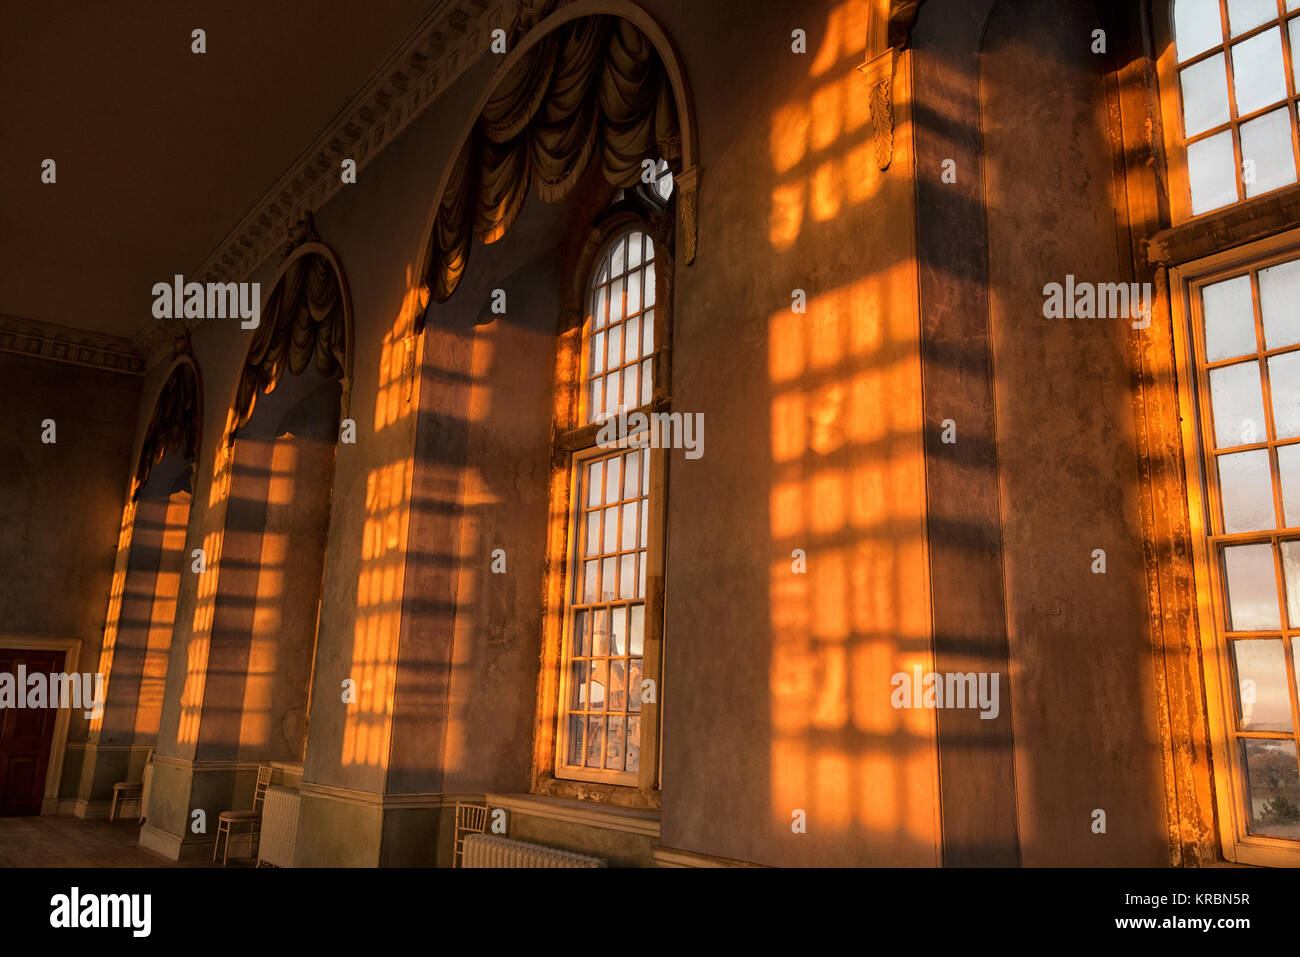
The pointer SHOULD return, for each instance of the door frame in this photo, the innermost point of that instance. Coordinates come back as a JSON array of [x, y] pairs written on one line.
[[71, 648]]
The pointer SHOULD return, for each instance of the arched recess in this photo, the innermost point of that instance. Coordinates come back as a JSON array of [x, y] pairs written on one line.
[[274, 474], [595, 79], [142, 603]]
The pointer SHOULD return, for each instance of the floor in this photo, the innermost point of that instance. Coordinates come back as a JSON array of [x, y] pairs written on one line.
[[74, 842]]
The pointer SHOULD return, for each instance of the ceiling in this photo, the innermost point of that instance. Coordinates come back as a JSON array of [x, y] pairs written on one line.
[[159, 150]]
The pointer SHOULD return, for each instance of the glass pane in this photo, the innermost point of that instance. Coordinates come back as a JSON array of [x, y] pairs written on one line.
[[1294, 29], [1262, 693], [648, 333], [594, 483], [578, 688], [650, 285], [612, 478], [629, 526], [631, 473], [1205, 95], [627, 577], [1229, 319], [611, 394], [636, 643], [600, 633], [1197, 27], [589, 582], [634, 293], [1267, 159], [1284, 383], [615, 347], [633, 744], [618, 631], [633, 339], [640, 585], [581, 640], [1212, 173], [596, 400], [611, 530], [595, 741], [573, 753], [616, 300], [598, 685], [646, 384], [1272, 786], [634, 685], [617, 257], [1252, 588], [1291, 576], [645, 485], [630, 397], [596, 360], [1237, 399], [608, 585], [1245, 15], [1279, 301], [644, 524], [617, 698], [1257, 71], [1246, 486], [1288, 464], [598, 307], [614, 749], [634, 250]]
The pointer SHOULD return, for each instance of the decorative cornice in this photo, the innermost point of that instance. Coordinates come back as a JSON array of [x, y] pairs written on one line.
[[60, 344], [450, 38]]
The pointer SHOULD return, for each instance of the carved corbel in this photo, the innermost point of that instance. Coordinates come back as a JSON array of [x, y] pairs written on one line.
[[688, 183], [888, 30]]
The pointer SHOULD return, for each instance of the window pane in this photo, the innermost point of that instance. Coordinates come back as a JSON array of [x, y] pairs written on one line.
[[636, 643], [596, 360], [1197, 27], [618, 631], [612, 478], [593, 533], [1246, 485], [629, 526], [1288, 463], [594, 480], [589, 583], [648, 333], [633, 293], [595, 741], [1252, 588], [573, 753], [1229, 319], [645, 381], [1205, 95], [632, 342], [611, 530], [1263, 697], [1257, 71], [633, 744], [581, 634], [627, 576], [1267, 158], [1272, 786], [608, 584], [616, 299], [611, 394], [1291, 575], [631, 474], [634, 251], [1237, 399], [600, 306], [1284, 382], [1212, 173], [1294, 28], [650, 285], [596, 400], [630, 397], [617, 257], [1279, 300], [1245, 15], [600, 633], [615, 347], [614, 749]]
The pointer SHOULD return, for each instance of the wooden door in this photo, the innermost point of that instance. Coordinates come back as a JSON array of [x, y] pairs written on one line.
[[25, 737]]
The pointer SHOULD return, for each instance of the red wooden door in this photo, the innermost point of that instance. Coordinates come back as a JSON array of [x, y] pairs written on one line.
[[25, 737]]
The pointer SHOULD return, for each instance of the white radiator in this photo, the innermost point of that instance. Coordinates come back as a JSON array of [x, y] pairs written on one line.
[[279, 826], [490, 850]]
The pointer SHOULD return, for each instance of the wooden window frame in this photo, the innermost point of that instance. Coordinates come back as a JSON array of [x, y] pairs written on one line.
[[1185, 283], [1171, 107], [573, 444]]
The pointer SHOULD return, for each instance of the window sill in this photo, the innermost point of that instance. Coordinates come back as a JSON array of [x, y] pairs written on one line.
[[585, 813], [1234, 225]]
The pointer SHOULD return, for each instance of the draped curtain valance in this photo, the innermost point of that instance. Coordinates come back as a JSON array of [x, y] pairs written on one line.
[[174, 425], [593, 87], [302, 318]]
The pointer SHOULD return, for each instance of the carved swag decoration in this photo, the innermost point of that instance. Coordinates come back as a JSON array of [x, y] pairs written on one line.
[[302, 320], [594, 87], [174, 426]]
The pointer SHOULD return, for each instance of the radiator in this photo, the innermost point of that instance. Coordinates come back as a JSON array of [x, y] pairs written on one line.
[[489, 850], [279, 826]]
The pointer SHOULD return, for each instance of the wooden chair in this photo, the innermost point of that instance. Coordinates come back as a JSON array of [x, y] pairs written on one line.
[[470, 819], [253, 818], [124, 791]]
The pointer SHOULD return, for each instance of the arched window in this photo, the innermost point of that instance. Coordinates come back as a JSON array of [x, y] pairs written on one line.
[[604, 708], [1236, 87]]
